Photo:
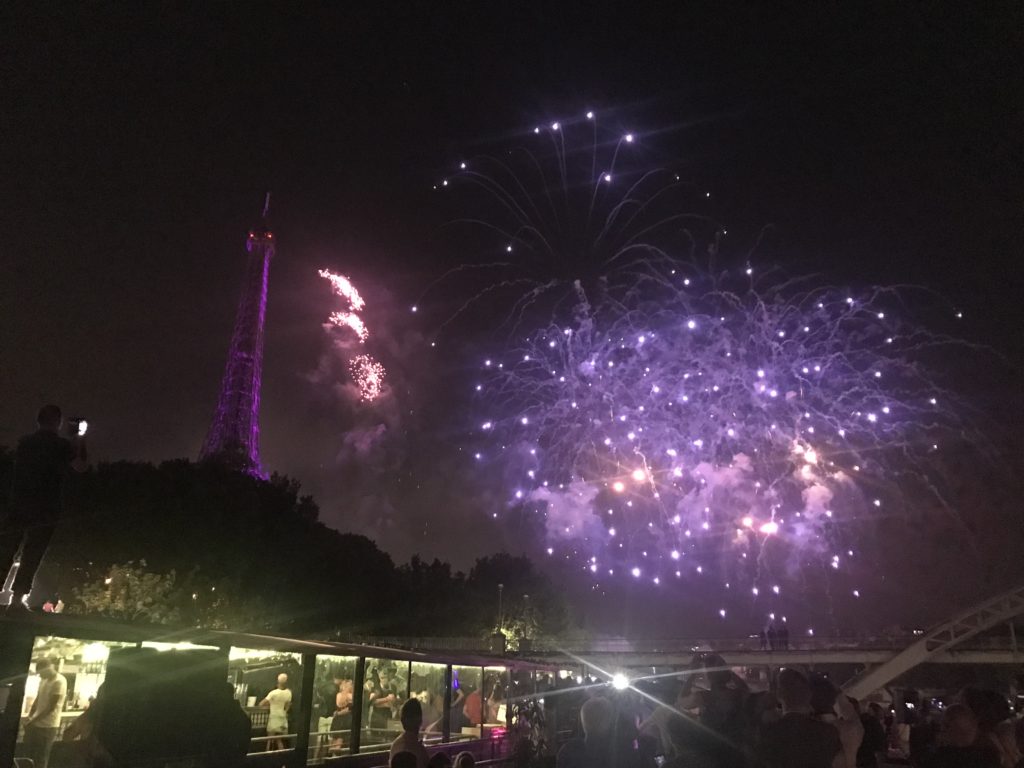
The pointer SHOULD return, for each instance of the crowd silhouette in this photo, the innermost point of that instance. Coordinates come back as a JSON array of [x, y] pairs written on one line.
[[711, 719]]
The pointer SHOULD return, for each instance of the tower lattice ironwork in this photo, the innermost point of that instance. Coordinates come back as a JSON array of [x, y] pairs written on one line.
[[234, 436]]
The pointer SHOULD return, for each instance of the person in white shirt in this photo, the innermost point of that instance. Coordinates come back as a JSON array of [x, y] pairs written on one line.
[[43, 721], [409, 741], [280, 701]]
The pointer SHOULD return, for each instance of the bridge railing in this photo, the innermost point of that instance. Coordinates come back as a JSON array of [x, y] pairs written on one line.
[[674, 645]]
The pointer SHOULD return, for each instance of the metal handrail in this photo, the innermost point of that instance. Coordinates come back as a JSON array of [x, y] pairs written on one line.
[[685, 644]]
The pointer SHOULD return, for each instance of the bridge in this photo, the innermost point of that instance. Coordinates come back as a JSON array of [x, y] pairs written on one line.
[[954, 641]]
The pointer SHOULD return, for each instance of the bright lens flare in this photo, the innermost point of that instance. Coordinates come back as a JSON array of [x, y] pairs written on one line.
[[620, 682]]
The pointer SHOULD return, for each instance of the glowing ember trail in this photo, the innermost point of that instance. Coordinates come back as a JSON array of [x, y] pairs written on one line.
[[367, 373]]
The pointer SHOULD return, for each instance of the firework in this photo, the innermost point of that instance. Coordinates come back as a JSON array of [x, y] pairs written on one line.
[[367, 373], [572, 209], [344, 288], [672, 420], [721, 428]]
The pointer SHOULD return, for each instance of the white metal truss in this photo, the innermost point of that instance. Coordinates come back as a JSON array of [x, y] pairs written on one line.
[[981, 617]]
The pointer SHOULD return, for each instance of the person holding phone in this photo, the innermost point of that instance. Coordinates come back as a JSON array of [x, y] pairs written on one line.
[[41, 463]]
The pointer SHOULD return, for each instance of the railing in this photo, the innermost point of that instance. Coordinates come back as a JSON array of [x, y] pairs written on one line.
[[547, 646], [465, 644]]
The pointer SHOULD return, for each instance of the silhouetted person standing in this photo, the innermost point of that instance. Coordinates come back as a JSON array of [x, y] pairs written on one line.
[[41, 462], [43, 721], [409, 740], [797, 740]]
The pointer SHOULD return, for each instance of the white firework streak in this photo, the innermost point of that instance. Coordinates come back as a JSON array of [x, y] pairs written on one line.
[[367, 373]]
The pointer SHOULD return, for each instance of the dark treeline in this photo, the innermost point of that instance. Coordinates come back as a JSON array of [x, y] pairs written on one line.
[[199, 544]]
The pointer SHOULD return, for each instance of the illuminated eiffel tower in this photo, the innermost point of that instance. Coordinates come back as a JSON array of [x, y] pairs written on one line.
[[234, 436]]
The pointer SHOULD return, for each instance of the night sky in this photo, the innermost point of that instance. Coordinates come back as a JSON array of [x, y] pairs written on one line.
[[136, 145]]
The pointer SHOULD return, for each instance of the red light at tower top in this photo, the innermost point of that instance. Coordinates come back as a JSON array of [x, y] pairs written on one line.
[[234, 434]]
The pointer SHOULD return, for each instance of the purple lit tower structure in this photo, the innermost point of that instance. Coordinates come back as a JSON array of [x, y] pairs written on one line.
[[234, 436]]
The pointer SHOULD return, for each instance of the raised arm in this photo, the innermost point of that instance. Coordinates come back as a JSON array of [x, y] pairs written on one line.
[[80, 455]]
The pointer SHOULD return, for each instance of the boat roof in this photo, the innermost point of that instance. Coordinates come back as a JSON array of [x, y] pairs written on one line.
[[101, 629]]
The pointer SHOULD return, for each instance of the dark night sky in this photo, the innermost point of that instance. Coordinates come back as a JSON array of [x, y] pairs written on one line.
[[136, 143]]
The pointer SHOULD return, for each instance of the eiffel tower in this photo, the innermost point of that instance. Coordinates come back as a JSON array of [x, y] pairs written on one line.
[[234, 436]]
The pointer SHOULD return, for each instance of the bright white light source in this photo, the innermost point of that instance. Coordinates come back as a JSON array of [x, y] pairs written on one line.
[[629, 138], [618, 486], [770, 528], [590, 115], [620, 682]]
